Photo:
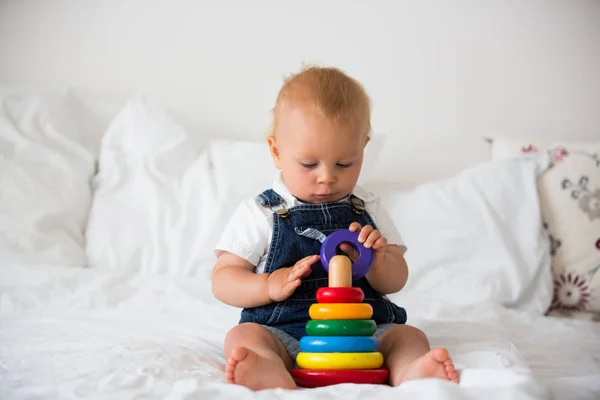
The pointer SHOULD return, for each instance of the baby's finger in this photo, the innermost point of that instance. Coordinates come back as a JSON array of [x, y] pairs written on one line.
[[307, 260], [364, 233], [350, 251], [289, 288], [313, 259], [380, 243], [306, 273], [354, 227], [372, 238], [297, 272], [347, 248], [299, 265]]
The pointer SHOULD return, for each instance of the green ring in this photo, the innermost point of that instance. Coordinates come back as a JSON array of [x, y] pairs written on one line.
[[341, 327]]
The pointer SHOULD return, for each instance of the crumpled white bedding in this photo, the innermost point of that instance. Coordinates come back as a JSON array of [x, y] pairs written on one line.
[[73, 333]]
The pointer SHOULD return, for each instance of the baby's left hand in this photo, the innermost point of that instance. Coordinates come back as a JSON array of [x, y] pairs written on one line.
[[371, 238]]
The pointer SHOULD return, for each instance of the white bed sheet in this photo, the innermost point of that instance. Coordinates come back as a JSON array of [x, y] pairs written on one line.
[[73, 333]]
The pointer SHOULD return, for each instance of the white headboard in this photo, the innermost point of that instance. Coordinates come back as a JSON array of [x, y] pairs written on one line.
[[441, 74]]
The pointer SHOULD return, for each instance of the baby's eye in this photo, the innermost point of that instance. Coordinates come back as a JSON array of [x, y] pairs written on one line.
[[344, 165], [308, 165]]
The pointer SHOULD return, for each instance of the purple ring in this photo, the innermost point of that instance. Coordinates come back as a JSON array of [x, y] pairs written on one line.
[[332, 242]]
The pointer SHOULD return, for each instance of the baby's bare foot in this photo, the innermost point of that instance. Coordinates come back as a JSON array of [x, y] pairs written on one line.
[[246, 368], [435, 364]]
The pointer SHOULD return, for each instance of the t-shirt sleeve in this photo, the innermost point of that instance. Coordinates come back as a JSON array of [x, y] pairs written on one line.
[[246, 234], [387, 227]]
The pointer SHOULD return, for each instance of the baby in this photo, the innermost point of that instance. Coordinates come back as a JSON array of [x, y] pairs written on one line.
[[268, 255]]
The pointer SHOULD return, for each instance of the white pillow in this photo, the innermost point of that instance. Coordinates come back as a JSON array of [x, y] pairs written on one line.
[[477, 237], [570, 200], [162, 197], [48, 147]]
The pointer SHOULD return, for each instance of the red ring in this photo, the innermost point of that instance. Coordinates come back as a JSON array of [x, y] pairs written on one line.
[[311, 378], [340, 295]]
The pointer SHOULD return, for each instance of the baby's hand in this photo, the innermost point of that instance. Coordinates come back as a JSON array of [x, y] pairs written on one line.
[[284, 281], [371, 238]]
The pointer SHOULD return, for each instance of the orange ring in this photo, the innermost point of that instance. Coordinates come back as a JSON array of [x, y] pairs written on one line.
[[341, 311]]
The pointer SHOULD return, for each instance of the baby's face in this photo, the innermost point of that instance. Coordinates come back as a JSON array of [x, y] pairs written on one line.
[[320, 160]]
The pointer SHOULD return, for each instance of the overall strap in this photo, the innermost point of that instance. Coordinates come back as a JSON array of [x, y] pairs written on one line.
[[269, 198]]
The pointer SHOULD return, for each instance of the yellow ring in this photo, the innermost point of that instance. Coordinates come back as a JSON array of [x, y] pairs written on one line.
[[330, 361], [340, 311]]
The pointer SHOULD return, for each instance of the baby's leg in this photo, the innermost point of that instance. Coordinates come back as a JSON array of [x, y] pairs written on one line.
[[257, 359], [408, 356]]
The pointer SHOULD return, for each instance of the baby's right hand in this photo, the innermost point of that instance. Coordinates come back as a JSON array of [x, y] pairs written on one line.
[[284, 281]]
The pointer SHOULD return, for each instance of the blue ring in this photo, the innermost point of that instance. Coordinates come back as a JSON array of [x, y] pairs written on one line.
[[338, 344]]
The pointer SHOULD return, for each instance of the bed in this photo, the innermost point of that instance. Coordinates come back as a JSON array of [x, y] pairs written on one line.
[[74, 333], [124, 151], [129, 313]]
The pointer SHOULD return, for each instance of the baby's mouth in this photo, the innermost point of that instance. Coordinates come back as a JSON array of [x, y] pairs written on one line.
[[324, 195]]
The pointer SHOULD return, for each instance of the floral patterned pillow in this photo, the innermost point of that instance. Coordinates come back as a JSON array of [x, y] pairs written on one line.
[[570, 202]]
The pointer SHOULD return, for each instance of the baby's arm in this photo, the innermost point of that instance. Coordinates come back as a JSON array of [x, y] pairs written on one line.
[[389, 272], [389, 275], [235, 283]]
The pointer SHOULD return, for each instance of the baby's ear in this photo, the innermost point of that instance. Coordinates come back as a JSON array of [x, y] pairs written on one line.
[[368, 140], [272, 142]]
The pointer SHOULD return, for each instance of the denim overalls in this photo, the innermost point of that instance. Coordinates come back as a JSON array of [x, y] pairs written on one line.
[[288, 246]]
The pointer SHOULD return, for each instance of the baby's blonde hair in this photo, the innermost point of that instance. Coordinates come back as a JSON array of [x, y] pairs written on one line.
[[329, 93]]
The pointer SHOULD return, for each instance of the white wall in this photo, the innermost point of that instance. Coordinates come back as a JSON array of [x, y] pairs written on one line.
[[441, 74]]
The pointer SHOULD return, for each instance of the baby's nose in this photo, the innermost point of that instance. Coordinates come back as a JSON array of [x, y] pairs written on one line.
[[327, 178]]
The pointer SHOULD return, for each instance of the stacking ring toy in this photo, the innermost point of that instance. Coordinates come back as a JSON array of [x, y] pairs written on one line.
[[340, 295], [339, 360], [341, 311], [338, 344], [341, 327], [314, 378], [332, 242]]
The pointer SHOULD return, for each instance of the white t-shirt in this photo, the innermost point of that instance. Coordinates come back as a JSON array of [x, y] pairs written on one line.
[[248, 232]]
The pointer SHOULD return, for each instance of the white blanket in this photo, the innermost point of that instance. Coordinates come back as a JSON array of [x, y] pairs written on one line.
[[73, 333]]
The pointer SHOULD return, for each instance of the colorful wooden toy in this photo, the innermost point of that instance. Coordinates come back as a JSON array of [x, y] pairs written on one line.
[[338, 344], [340, 347], [340, 272], [341, 327], [340, 295], [312, 379], [340, 311], [323, 361], [329, 250]]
